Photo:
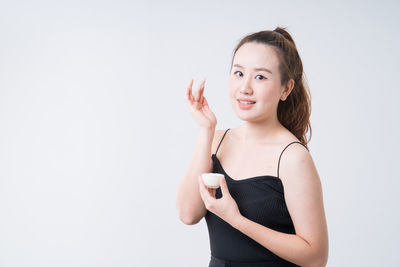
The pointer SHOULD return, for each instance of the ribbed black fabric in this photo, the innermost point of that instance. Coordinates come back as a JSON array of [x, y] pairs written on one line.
[[259, 199]]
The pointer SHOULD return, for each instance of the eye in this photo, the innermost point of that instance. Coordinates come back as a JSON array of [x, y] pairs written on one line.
[[236, 72], [262, 77]]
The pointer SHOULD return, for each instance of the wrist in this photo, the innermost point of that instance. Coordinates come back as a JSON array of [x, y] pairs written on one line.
[[208, 130], [237, 221], [209, 127]]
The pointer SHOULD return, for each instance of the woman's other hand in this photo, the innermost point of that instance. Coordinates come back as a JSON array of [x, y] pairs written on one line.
[[224, 207], [199, 108]]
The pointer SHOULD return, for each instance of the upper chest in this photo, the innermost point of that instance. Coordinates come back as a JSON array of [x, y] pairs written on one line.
[[241, 162]]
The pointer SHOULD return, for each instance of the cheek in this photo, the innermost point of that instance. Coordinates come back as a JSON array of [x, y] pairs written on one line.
[[268, 93], [231, 87]]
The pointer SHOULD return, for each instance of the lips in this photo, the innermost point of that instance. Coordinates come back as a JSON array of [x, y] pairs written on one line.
[[246, 100], [245, 104]]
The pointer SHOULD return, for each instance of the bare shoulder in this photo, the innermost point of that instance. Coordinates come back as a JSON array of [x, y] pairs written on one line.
[[296, 165], [296, 159], [217, 138], [300, 179]]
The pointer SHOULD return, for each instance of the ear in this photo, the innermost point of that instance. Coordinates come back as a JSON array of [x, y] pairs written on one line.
[[287, 89]]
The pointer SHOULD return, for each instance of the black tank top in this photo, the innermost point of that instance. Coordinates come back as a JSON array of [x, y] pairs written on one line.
[[259, 199]]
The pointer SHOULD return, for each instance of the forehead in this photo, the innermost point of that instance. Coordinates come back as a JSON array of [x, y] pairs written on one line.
[[256, 55]]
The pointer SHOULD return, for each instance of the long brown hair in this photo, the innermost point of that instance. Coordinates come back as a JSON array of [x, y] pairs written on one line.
[[293, 113]]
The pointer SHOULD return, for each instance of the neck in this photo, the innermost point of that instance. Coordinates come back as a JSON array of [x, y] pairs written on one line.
[[262, 131]]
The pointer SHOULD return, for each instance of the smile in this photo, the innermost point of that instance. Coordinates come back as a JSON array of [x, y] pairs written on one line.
[[245, 104]]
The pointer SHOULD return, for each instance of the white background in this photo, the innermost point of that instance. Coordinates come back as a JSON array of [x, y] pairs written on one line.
[[95, 135]]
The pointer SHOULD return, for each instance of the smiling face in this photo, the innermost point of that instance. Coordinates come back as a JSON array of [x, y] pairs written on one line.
[[255, 82]]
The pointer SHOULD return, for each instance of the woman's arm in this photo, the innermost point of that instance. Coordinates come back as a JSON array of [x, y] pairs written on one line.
[[188, 202], [290, 247], [303, 196]]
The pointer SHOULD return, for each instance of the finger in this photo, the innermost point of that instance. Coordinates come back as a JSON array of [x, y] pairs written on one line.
[[207, 111], [202, 187], [224, 187], [189, 91], [201, 97], [199, 91], [204, 191], [190, 83], [204, 194], [196, 96], [202, 83], [205, 103], [212, 192], [188, 99]]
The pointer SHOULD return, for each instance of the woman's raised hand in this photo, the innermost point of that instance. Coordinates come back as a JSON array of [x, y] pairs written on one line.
[[198, 106]]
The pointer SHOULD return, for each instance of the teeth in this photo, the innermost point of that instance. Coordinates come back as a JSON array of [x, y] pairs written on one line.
[[246, 102]]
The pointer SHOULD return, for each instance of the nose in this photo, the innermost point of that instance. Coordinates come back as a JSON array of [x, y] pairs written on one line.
[[246, 87]]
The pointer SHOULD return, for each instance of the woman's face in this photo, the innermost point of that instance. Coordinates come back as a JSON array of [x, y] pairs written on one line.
[[255, 77]]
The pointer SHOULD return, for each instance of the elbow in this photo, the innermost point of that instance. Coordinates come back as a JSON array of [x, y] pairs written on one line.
[[188, 213], [187, 216], [188, 219], [321, 262], [321, 259], [324, 255]]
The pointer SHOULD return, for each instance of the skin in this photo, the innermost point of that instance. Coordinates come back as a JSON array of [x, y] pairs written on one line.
[[256, 145]]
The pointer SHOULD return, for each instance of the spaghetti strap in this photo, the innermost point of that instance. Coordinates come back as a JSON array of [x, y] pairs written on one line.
[[221, 141], [284, 150]]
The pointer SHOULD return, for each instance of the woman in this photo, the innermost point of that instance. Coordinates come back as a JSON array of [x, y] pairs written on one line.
[[269, 208]]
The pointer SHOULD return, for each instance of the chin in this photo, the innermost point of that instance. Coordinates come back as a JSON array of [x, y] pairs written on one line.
[[246, 117]]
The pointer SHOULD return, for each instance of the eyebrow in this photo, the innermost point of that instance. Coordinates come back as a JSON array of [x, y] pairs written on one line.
[[257, 69]]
